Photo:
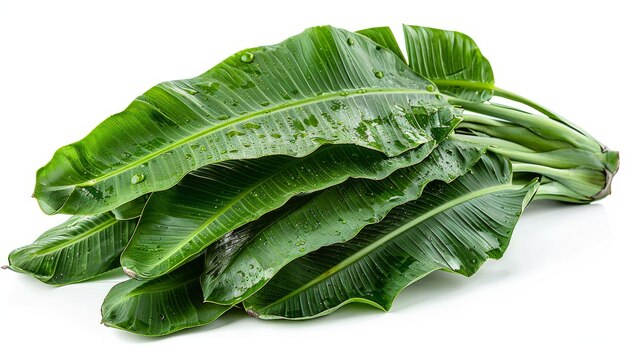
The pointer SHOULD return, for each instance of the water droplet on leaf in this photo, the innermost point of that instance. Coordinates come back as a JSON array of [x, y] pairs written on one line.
[[251, 126], [190, 91], [234, 132], [247, 57], [137, 178]]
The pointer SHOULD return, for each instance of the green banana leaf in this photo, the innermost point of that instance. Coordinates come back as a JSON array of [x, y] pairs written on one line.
[[81, 248], [450, 59], [323, 86], [333, 215], [179, 223], [131, 209], [452, 227], [385, 38], [454, 62], [574, 166], [161, 306]]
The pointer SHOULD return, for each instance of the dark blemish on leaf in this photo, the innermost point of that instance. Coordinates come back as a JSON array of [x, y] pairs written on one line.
[[129, 273], [251, 313]]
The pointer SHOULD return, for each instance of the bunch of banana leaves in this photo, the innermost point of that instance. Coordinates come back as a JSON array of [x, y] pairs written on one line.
[[292, 179]]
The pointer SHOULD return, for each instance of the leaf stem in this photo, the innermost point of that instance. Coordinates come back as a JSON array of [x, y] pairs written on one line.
[[575, 167], [497, 142], [509, 95], [552, 115], [540, 125]]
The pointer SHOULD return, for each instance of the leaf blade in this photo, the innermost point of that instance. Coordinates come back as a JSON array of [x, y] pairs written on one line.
[[451, 60], [81, 248], [162, 306], [241, 110], [336, 214], [181, 222], [385, 38], [132, 209], [408, 244]]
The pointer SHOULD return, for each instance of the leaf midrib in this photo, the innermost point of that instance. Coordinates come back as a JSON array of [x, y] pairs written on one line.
[[398, 231], [167, 286], [100, 227], [310, 100], [464, 83]]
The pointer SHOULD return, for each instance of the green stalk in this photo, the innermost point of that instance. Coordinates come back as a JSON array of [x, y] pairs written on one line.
[[548, 113], [509, 95], [495, 143], [574, 166], [545, 127], [581, 181], [516, 134]]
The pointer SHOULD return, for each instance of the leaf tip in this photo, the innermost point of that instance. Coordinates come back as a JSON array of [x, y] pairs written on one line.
[[6, 266]]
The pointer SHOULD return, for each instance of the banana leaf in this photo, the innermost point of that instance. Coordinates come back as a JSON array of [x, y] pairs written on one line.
[[452, 60], [574, 166], [385, 38], [452, 227], [131, 209], [81, 248], [237, 267], [179, 223], [161, 306], [323, 86]]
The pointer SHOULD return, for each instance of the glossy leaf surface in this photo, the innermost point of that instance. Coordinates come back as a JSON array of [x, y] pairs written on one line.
[[162, 306], [452, 227], [575, 167], [384, 37], [78, 249], [181, 222], [327, 217], [324, 86], [131, 209], [451, 60]]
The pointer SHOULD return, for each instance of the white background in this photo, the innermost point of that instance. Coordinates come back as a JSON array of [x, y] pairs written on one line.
[[65, 66]]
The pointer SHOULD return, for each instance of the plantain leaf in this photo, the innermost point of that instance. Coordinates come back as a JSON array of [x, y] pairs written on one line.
[[384, 37], [324, 86], [179, 223], [574, 166], [81, 248], [161, 306], [237, 268], [131, 209], [450, 59], [452, 227]]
